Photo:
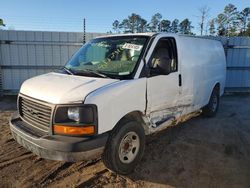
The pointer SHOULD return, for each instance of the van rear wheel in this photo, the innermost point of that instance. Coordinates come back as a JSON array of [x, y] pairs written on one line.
[[125, 147], [211, 108]]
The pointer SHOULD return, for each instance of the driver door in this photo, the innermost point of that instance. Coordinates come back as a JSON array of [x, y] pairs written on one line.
[[163, 91]]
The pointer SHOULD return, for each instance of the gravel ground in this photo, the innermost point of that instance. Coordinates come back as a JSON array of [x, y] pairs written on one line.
[[200, 152]]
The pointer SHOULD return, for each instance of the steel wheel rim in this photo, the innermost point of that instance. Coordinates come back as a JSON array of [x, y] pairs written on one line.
[[214, 103], [129, 147]]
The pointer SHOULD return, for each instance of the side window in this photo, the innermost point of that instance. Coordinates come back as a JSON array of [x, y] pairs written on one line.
[[165, 48]]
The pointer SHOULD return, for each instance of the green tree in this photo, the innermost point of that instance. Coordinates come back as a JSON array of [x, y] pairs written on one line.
[[221, 21], [186, 27], [212, 27], [175, 26], [247, 32], [125, 26], [133, 24], [165, 26], [244, 18], [116, 26], [142, 27], [228, 21], [1, 22], [154, 24]]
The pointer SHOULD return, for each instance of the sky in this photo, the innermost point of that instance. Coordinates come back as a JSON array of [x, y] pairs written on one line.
[[67, 15]]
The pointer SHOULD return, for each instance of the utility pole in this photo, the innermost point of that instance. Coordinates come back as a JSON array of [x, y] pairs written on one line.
[[84, 31]]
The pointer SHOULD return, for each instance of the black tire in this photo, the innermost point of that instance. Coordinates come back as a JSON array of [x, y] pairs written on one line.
[[112, 152], [211, 108]]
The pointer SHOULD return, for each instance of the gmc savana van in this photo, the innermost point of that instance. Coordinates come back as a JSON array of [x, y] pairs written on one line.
[[115, 90]]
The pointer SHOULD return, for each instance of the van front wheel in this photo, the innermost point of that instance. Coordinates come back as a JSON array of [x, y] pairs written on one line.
[[211, 108], [125, 147]]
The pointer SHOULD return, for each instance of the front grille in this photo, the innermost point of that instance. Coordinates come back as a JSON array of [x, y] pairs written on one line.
[[35, 113]]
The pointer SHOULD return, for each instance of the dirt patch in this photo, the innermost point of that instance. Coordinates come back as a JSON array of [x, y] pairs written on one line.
[[202, 152]]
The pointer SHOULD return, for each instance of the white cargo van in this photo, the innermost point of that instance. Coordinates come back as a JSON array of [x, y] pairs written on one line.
[[114, 91]]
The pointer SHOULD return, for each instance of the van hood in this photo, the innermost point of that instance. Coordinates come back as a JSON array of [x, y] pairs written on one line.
[[59, 88]]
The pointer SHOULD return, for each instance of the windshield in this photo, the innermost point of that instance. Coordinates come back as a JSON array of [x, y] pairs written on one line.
[[108, 56]]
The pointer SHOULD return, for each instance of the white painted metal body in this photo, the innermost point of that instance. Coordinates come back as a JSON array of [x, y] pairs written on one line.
[[201, 64]]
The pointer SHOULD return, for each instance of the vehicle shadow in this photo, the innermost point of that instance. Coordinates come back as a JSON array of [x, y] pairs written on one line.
[[162, 162], [193, 154]]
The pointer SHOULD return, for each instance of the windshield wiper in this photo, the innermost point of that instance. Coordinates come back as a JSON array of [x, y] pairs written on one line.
[[98, 73], [95, 72], [68, 70]]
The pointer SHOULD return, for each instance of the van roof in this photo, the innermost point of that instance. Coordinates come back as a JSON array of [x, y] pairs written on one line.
[[156, 33], [128, 34]]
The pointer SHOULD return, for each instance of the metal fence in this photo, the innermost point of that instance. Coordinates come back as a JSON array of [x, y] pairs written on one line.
[[24, 54], [238, 64]]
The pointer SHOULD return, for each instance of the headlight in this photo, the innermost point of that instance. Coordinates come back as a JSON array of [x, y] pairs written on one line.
[[75, 120], [74, 113]]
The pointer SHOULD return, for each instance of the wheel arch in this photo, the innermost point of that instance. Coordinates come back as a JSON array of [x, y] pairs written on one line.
[[216, 86], [137, 116]]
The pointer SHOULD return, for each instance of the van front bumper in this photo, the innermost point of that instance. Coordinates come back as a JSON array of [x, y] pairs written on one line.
[[57, 147]]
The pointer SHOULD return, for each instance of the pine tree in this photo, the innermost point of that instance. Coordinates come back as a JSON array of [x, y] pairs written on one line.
[[247, 32], [154, 24], [165, 26], [116, 25], [142, 25], [232, 15], [244, 18], [133, 24], [185, 26], [175, 26], [212, 27]]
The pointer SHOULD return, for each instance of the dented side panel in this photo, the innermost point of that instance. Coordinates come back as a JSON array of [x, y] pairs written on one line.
[[201, 63]]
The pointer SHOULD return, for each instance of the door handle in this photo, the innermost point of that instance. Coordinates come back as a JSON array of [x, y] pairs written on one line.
[[180, 80]]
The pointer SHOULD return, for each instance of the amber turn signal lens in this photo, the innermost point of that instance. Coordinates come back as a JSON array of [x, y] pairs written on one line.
[[70, 130]]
